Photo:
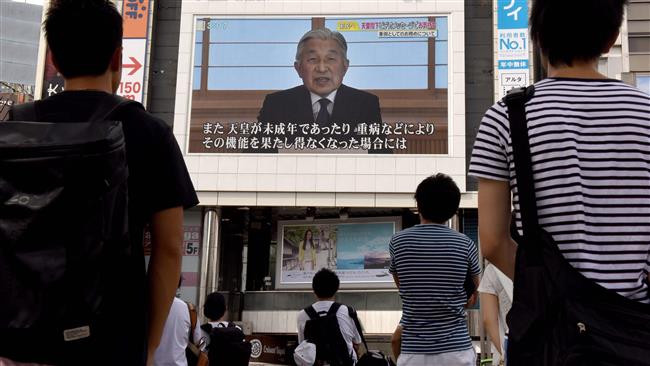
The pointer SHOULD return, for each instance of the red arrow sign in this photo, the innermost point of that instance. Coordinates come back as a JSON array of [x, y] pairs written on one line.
[[135, 65]]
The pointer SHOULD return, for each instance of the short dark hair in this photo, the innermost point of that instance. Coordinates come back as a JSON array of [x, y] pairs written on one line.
[[214, 306], [438, 198], [575, 30], [82, 35], [325, 283]]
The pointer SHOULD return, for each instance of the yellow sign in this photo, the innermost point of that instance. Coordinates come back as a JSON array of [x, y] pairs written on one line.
[[347, 26]]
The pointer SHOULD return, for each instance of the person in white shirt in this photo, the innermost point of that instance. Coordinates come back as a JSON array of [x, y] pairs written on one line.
[[325, 285], [496, 300], [176, 336]]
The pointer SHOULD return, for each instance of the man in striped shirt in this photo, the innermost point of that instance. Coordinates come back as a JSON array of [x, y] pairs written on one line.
[[590, 150], [429, 263]]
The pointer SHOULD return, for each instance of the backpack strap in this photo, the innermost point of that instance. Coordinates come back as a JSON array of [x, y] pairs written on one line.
[[334, 308], [353, 314], [207, 327], [192, 310], [111, 104], [516, 101], [311, 312]]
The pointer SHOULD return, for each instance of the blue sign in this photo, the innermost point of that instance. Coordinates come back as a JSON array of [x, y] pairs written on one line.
[[513, 64], [512, 14]]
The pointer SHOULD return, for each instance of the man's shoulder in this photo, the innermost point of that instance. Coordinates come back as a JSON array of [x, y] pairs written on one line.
[[408, 233], [80, 105], [351, 92], [287, 94], [347, 310], [430, 232], [134, 116], [180, 306]]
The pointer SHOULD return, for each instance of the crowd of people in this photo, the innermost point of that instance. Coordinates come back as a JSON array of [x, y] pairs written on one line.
[[576, 250]]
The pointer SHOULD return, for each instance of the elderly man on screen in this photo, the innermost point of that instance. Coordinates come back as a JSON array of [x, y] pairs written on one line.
[[321, 62]]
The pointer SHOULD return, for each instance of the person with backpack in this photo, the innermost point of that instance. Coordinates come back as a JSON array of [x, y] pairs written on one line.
[[571, 155], [72, 266], [328, 325], [223, 341]]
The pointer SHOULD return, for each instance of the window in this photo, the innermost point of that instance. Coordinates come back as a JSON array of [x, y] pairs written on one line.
[[639, 44], [253, 54], [643, 83]]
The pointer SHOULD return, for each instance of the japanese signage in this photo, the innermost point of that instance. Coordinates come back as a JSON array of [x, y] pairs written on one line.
[[512, 14], [307, 137], [512, 45], [134, 43], [356, 250], [391, 29], [191, 240]]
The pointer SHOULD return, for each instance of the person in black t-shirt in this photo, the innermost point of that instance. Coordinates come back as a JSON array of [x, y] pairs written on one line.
[[85, 38]]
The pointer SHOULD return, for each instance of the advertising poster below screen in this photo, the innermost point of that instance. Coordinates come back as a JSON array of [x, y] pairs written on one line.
[[356, 250], [253, 92]]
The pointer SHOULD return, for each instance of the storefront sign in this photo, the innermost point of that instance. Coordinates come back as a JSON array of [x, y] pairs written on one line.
[[512, 45], [136, 21], [272, 349]]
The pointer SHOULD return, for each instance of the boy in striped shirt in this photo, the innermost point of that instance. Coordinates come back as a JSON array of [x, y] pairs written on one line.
[[429, 263]]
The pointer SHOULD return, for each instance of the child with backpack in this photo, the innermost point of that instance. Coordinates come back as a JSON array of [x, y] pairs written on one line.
[[329, 325], [223, 341]]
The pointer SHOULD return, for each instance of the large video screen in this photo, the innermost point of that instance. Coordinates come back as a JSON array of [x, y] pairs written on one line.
[[357, 250], [254, 91]]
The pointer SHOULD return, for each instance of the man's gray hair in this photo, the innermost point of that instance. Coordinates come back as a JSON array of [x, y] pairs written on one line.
[[324, 34]]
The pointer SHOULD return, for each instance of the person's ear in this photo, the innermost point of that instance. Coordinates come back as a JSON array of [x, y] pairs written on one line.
[[56, 64], [296, 65], [116, 60], [610, 44]]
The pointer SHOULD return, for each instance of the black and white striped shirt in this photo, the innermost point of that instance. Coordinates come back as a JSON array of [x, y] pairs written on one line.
[[431, 262], [590, 147]]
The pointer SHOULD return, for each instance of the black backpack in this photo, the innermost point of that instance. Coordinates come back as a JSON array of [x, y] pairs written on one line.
[[63, 225], [228, 346], [322, 329]]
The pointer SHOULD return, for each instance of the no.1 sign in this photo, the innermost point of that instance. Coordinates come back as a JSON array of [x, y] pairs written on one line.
[[133, 54]]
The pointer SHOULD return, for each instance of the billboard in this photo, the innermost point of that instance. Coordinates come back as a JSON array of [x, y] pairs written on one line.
[[356, 249], [253, 93], [512, 45]]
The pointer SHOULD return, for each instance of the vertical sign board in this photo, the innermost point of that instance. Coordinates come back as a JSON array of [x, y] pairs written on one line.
[[512, 45], [134, 43]]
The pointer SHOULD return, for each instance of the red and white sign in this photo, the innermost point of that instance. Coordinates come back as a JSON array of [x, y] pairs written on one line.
[[133, 55], [134, 43]]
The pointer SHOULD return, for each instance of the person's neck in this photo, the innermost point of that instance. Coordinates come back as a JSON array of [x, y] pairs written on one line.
[[424, 221], [577, 70], [325, 298], [99, 83]]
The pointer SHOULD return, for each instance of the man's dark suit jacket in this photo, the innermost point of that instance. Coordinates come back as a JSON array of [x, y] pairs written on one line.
[[351, 106]]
